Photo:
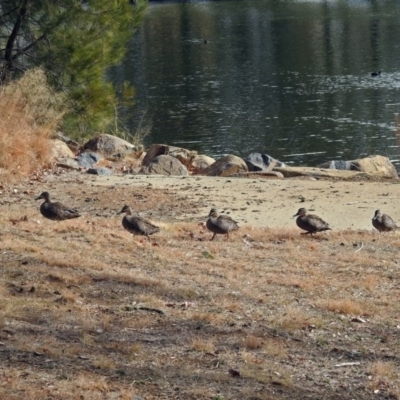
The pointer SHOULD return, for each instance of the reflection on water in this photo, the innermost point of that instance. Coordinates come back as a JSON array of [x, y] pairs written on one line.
[[292, 79]]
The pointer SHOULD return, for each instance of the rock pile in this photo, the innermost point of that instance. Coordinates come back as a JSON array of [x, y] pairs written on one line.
[[107, 154]]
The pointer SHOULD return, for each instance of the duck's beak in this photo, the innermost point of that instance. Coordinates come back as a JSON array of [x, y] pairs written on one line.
[[38, 198]]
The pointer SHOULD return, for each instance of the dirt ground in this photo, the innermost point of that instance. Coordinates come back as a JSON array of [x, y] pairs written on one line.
[[88, 312]]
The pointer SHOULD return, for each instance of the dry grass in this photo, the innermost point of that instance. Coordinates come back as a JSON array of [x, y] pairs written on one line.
[[29, 113], [385, 377], [88, 312], [347, 306], [199, 344]]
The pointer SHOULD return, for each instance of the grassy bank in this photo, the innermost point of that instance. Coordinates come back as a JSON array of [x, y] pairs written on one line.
[[29, 113]]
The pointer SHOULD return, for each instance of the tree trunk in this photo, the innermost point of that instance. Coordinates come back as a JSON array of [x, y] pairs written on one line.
[[8, 60]]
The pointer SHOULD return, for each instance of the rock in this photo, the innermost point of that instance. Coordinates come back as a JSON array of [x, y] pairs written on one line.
[[99, 171], [104, 163], [260, 174], [373, 165], [68, 162], [88, 159], [337, 164], [376, 166], [226, 166], [201, 162], [314, 172], [59, 150], [262, 162], [183, 155], [74, 146], [111, 147], [165, 165]]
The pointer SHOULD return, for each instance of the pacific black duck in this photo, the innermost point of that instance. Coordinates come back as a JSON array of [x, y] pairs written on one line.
[[383, 222], [220, 225], [56, 211], [375, 74], [136, 224], [310, 222]]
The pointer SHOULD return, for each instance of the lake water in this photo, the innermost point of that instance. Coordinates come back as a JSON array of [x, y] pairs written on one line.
[[288, 78]]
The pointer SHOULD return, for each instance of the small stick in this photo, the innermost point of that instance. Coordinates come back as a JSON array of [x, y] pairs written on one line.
[[362, 245]]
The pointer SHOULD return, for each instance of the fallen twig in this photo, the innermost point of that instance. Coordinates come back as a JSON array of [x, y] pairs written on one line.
[[150, 310], [348, 364], [362, 245]]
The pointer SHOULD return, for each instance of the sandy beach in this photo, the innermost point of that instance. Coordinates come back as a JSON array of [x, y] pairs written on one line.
[[272, 203]]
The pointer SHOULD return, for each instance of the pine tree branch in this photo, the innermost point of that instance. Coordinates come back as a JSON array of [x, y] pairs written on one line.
[[30, 45]]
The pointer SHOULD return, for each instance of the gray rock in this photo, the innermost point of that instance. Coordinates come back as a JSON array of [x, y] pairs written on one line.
[[226, 166], [183, 155], [109, 146], [338, 164], [88, 159], [99, 171], [262, 162], [165, 165]]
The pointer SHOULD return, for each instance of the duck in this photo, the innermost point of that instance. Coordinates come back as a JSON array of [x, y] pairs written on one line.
[[375, 74], [136, 224], [55, 210], [310, 222], [383, 222], [220, 224]]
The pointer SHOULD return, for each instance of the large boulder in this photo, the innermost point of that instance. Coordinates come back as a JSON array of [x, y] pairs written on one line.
[[373, 165], [262, 162], [111, 147], [60, 150], [226, 166], [183, 155], [376, 165], [201, 162], [74, 146], [165, 165]]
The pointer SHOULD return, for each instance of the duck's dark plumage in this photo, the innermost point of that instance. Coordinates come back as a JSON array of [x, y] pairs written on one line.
[[383, 222], [56, 211], [310, 222], [375, 74], [136, 224], [220, 225]]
